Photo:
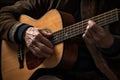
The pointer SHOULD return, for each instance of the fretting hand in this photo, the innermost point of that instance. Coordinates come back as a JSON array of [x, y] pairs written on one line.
[[97, 35]]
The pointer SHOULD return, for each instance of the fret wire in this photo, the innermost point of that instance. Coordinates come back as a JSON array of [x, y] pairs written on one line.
[[112, 15], [74, 32], [104, 14], [85, 24], [99, 16], [71, 27], [94, 18], [101, 22], [77, 24], [108, 21], [78, 32], [111, 20], [105, 17], [100, 19]]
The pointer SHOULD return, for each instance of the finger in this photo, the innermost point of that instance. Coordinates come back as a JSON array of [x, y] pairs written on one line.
[[96, 28], [88, 37], [43, 49], [91, 23], [96, 31], [46, 32], [94, 35], [87, 40], [44, 40], [38, 52], [35, 51]]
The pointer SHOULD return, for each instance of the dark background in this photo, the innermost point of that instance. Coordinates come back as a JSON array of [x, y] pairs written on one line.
[[6, 2]]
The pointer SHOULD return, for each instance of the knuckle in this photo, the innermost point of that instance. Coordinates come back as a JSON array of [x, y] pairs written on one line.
[[42, 47], [51, 51]]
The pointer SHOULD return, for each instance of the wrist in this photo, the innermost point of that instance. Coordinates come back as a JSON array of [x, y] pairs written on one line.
[[19, 35]]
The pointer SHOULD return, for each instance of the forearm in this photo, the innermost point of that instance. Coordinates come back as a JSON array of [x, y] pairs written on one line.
[[9, 17], [9, 21]]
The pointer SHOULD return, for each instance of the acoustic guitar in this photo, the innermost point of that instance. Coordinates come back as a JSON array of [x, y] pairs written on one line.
[[64, 29]]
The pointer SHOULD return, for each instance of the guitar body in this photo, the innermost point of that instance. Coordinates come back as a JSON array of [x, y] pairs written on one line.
[[65, 53]]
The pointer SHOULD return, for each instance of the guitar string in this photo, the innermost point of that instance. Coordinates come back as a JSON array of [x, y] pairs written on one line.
[[98, 18], [98, 21], [101, 18], [76, 26], [74, 34], [84, 22], [103, 21], [94, 18]]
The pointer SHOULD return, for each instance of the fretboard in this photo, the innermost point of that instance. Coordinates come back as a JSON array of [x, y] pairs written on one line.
[[79, 28]]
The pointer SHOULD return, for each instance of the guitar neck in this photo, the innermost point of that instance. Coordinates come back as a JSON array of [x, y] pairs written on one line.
[[79, 28]]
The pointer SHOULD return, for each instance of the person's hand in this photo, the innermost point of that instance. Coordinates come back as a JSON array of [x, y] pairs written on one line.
[[95, 34], [38, 43]]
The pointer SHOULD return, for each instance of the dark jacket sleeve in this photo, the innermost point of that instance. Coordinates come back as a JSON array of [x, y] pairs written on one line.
[[9, 16], [114, 50]]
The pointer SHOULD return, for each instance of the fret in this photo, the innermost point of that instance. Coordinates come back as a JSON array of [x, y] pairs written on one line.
[[108, 18], [79, 28]]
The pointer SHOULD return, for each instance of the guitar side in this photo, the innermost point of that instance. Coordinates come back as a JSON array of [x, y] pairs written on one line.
[[53, 21]]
